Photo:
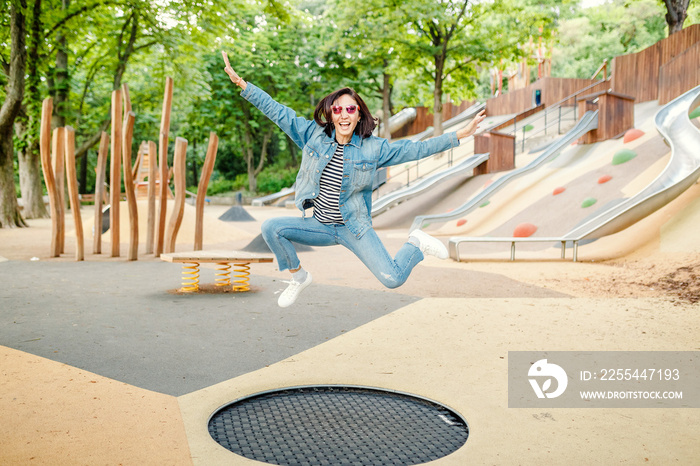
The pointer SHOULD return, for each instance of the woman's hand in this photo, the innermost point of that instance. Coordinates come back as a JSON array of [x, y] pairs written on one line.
[[472, 126], [232, 74]]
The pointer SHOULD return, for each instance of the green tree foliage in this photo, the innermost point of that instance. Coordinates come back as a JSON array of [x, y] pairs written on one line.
[[604, 32]]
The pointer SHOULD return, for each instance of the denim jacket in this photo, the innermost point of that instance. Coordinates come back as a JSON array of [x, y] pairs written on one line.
[[362, 158]]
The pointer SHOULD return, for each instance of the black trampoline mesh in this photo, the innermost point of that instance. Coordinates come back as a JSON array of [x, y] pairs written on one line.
[[338, 426]]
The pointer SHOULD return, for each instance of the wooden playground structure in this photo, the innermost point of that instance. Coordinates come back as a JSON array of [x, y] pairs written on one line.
[[142, 179]]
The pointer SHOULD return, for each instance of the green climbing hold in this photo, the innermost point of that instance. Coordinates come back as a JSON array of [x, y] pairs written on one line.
[[589, 201], [485, 203], [425, 225], [622, 156], [694, 114], [528, 128]]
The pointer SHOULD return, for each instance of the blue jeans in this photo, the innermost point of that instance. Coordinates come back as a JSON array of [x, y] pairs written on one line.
[[279, 233]]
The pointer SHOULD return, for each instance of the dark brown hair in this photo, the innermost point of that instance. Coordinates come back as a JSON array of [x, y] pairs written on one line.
[[323, 113]]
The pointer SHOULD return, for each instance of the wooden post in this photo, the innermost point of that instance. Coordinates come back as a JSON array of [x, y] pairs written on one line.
[[152, 157], [202, 190], [163, 163], [100, 174], [115, 182], [180, 168], [127, 103], [127, 135], [49, 180], [73, 192], [57, 153]]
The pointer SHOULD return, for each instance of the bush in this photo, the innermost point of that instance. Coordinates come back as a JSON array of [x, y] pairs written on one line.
[[274, 179]]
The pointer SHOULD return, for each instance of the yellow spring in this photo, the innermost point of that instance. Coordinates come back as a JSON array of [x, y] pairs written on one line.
[[242, 276], [190, 273], [223, 274]]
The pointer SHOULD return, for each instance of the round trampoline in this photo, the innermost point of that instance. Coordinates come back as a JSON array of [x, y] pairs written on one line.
[[333, 425]]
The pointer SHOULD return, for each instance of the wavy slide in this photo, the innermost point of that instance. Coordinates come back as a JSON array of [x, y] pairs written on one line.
[[588, 122], [681, 172]]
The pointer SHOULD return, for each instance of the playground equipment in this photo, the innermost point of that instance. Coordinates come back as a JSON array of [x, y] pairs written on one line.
[[241, 260], [58, 163], [588, 122], [681, 172]]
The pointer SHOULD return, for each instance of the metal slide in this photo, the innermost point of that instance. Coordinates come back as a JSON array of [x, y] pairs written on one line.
[[588, 122], [682, 170], [384, 203]]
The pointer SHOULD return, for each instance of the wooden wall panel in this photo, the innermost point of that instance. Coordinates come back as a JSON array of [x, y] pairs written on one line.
[[638, 74], [501, 149], [680, 74], [552, 90]]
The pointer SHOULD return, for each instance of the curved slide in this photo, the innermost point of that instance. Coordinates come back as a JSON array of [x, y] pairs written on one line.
[[682, 170], [588, 122]]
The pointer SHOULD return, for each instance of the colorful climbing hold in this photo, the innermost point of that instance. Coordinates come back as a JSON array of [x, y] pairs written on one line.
[[528, 128], [604, 179], [632, 134], [485, 203], [589, 201], [622, 156], [461, 222], [524, 230], [694, 114], [558, 190]]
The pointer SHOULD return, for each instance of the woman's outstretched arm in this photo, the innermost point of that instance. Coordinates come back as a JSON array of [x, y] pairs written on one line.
[[298, 128], [235, 79], [471, 127]]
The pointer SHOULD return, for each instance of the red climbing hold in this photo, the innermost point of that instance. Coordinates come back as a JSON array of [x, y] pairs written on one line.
[[524, 230], [558, 190], [604, 179], [632, 134], [461, 222]]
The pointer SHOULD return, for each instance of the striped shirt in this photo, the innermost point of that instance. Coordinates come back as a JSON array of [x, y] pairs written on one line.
[[326, 208]]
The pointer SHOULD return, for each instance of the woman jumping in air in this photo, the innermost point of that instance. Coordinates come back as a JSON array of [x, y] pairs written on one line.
[[340, 158]]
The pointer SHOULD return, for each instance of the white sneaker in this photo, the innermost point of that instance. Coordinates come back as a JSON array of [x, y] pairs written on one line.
[[290, 295], [430, 245]]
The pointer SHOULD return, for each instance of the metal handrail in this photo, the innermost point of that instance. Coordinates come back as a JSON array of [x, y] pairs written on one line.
[[555, 107]]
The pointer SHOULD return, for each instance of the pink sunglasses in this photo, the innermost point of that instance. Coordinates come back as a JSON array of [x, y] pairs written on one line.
[[337, 109]]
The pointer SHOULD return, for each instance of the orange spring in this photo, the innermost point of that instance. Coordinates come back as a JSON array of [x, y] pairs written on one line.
[[190, 277], [242, 276], [223, 274]]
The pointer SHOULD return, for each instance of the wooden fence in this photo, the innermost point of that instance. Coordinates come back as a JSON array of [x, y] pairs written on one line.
[[680, 74], [552, 90], [639, 74]]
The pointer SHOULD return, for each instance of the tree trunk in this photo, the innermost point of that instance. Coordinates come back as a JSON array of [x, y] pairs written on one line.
[[253, 170], [437, 95], [9, 210], [30, 174], [61, 81], [386, 105], [292, 151], [30, 183], [677, 12]]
